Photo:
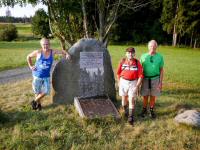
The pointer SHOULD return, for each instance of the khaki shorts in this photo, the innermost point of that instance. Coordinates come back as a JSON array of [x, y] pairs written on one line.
[[127, 88], [153, 90]]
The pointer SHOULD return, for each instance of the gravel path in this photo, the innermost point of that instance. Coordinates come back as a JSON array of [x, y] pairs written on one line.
[[16, 74]]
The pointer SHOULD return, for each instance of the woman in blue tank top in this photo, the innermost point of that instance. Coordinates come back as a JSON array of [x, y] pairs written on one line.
[[41, 70]]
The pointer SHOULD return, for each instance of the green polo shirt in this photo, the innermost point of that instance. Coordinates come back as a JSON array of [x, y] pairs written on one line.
[[151, 65]]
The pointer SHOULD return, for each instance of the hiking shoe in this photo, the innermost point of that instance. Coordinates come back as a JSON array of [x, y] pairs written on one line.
[[144, 112], [34, 105], [130, 120], [152, 113], [125, 111], [39, 106]]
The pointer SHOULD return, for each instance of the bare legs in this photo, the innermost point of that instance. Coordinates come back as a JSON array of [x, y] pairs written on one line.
[[38, 97], [152, 105], [128, 104]]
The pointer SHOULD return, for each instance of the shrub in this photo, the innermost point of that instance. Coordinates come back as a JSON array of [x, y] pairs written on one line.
[[8, 32]]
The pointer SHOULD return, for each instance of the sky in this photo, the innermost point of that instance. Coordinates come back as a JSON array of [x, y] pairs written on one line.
[[18, 11]]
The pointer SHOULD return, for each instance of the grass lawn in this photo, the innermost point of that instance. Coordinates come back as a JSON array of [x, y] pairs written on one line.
[[13, 54], [24, 29], [59, 127]]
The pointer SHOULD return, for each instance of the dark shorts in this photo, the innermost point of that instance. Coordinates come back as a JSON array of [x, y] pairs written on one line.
[[150, 88]]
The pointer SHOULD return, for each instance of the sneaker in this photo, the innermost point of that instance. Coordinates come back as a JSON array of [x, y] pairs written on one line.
[[152, 113], [34, 105], [144, 112]]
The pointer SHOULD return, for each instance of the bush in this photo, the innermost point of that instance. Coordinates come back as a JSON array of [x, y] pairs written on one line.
[[8, 32]]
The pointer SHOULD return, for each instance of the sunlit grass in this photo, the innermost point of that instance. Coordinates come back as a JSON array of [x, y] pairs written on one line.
[[60, 127], [13, 54], [24, 30]]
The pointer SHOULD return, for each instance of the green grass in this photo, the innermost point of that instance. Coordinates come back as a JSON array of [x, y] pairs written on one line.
[[181, 64], [24, 29], [59, 127], [24, 32], [13, 54]]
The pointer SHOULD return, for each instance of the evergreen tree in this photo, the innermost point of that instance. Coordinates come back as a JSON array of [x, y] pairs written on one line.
[[169, 18], [193, 28]]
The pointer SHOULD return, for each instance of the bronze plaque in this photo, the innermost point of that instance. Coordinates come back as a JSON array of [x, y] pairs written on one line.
[[95, 107]]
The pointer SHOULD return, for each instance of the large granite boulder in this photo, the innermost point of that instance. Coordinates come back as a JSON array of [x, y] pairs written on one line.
[[189, 117], [89, 73]]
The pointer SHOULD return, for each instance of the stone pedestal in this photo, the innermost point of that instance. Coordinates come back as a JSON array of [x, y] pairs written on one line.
[[92, 107]]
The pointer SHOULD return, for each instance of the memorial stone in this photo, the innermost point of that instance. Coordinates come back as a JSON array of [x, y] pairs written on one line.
[[89, 73]]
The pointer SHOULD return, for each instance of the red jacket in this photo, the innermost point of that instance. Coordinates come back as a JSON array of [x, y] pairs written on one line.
[[130, 69]]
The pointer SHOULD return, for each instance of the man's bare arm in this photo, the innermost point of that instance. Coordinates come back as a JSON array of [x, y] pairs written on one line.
[[29, 59], [62, 52]]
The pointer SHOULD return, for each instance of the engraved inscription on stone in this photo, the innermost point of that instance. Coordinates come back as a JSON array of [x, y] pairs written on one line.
[[95, 107], [91, 82]]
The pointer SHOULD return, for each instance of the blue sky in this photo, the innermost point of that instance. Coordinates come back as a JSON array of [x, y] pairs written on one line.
[[18, 11]]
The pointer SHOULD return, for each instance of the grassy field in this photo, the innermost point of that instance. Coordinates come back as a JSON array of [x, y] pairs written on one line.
[[13, 54], [59, 127], [24, 30]]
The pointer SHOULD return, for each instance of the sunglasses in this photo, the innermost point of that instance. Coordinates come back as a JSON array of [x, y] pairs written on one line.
[[151, 59]]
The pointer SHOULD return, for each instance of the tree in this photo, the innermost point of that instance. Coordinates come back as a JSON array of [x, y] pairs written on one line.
[[66, 21], [106, 12], [65, 18], [140, 26], [40, 23], [193, 22], [169, 16]]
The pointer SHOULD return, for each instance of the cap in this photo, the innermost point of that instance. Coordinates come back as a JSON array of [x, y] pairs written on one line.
[[130, 49]]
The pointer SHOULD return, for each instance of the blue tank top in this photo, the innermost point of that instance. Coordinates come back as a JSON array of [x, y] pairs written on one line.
[[43, 66]]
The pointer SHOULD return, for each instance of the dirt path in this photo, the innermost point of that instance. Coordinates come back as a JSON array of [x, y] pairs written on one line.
[[17, 74]]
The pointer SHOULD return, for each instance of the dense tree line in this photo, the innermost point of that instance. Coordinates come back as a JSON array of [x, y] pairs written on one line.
[[173, 22], [11, 19], [182, 19], [141, 26]]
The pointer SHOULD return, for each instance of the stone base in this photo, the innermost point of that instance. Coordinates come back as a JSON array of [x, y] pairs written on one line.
[[99, 106]]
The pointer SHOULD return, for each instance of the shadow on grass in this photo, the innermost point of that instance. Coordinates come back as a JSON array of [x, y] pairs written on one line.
[[24, 114], [193, 93]]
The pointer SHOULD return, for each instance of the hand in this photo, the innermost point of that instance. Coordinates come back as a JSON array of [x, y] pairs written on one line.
[[33, 68], [160, 86], [67, 56], [137, 90]]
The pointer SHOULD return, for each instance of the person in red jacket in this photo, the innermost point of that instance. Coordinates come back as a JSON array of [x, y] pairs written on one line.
[[129, 75]]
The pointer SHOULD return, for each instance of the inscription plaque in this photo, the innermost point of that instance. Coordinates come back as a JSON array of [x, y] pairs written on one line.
[[95, 107], [91, 82]]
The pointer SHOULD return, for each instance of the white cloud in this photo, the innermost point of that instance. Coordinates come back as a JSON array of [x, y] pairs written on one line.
[[19, 11]]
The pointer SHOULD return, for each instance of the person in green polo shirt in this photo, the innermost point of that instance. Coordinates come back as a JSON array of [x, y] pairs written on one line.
[[152, 63]]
